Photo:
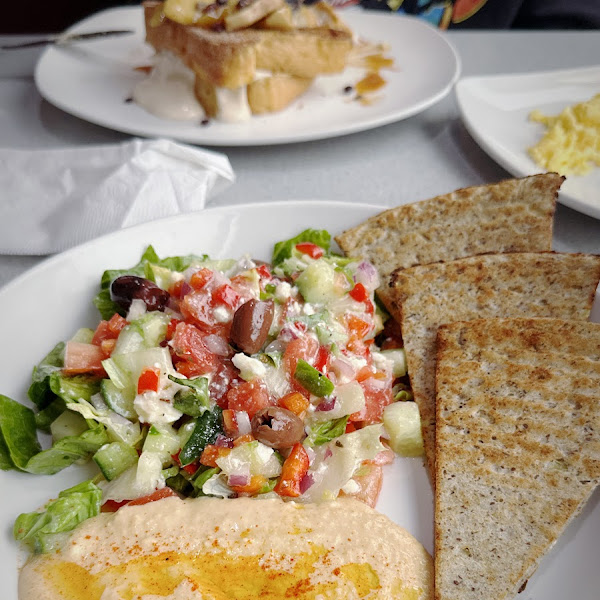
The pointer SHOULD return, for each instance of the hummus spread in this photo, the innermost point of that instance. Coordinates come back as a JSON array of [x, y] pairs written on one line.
[[241, 549]]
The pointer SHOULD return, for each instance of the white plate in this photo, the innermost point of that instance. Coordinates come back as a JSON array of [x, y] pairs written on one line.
[[92, 80], [50, 302], [495, 110]]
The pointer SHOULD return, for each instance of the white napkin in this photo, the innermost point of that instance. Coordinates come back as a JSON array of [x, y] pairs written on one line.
[[55, 199]]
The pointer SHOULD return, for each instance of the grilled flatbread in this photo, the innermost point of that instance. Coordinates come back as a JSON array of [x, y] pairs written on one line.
[[517, 449], [510, 216], [492, 285]]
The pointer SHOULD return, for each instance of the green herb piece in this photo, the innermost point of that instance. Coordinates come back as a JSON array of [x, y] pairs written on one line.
[[325, 432]]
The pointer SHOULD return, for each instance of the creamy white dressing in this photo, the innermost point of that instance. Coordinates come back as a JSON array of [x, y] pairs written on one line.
[[233, 105], [168, 92]]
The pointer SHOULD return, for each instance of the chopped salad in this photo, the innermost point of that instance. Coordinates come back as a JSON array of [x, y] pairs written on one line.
[[218, 378]]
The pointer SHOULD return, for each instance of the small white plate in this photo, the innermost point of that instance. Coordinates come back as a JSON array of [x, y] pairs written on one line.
[[92, 80], [495, 110], [53, 300]]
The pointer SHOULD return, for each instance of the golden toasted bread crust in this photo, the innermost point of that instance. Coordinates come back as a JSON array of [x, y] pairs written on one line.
[[424, 297], [517, 447]]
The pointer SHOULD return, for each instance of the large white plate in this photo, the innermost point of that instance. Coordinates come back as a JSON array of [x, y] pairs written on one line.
[[495, 110], [92, 80], [53, 300]]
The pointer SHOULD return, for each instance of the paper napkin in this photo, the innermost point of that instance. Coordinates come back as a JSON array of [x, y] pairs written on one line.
[[51, 200]]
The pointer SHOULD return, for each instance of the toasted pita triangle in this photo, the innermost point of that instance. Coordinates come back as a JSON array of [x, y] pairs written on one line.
[[489, 286], [510, 216], [517, 448]]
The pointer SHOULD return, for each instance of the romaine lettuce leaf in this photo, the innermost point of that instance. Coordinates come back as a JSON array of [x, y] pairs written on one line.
[[283, 250], [39, 391], [66, 451], [194, 399], [73, 506], [207, 428], [325, 432], [18, 433]]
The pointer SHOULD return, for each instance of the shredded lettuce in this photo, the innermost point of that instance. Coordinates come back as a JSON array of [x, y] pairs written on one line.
[[194, 399], [325, 432], [39, 391], [41, 530], [18, 434]]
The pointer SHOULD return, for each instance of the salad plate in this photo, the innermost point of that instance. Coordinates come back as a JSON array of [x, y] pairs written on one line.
[[93, 81], [52, 301], [495, 110]]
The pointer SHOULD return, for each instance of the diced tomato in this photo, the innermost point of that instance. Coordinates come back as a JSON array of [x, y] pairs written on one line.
[[305, 348], [360, 294], [116, 324], [187, 343], [357, 328], [250, 396], [264, 272], [191, 468], [369, 485], [172, 325], [148, 380], [211, 453], [102, 333], [252, 488], [226, 295], [293, 470], [224, 378], [165, 492], [108, 346], [350, 427], [322, 359], [83, 358], [294, 402], [364, 373], [200, 278], [310, 249], [197, 308], [378, 394], [112, 505], [175, 291], [385, 457]]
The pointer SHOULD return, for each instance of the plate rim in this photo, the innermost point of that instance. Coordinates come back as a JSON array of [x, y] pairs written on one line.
[[463, 92], [271, 140]]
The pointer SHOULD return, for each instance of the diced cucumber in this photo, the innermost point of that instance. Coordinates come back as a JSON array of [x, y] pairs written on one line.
[[124, 369], [130, 340], [83, 335], [403, 424], [119, 400], [165, 278], [67, 424], [317, 283], [115, 458], [163, 439]]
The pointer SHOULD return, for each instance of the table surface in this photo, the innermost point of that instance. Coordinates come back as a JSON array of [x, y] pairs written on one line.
[[426, 155]]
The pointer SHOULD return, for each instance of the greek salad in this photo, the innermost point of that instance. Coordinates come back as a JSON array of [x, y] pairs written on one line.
[[218, 378]]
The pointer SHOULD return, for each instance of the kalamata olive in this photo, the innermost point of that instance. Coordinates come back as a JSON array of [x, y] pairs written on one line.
[[250, 325], [127, 288], [277, 427]]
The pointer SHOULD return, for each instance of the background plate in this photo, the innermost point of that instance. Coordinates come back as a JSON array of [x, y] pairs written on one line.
[[53, 300], [495, 110], [92, 80]]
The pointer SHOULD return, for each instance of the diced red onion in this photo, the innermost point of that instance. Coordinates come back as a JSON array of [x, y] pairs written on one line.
[[186, 288], [236, 479], [367, 275], [328, 453], [292, 330], [243, 422], [343, 369], [306, 482], [223, 442], [217, 345], [326, 405], [311, 454]]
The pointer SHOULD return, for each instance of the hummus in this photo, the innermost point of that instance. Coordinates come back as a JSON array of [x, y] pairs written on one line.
[[242, 549]]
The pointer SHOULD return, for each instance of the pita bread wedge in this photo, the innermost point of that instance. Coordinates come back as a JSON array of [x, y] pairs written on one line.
[[517, 448], [489, 286], [510, 216]]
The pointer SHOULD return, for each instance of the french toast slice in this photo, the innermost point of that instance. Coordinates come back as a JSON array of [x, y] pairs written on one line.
[[231, 59]]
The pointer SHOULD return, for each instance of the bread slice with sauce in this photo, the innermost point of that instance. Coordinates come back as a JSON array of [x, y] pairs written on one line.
[[511, 216], [275, 66], [423, 298], [517, 447]]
